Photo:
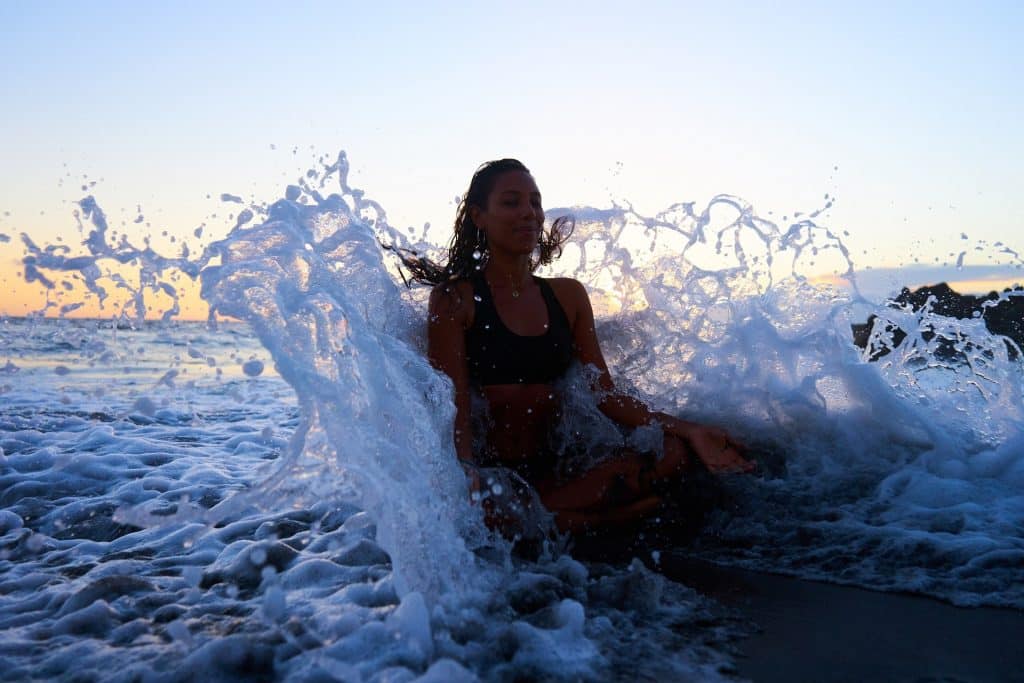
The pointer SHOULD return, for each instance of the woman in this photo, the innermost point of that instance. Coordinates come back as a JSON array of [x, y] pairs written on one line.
[[496, 329]]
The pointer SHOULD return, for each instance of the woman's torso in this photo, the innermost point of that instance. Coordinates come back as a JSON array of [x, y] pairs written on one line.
[[515, 364], [534, 347]]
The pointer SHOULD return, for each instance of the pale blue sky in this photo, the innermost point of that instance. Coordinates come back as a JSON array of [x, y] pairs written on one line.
[[917, 104]]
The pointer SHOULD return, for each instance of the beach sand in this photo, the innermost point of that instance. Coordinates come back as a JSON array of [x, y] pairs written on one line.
[[813, 631]]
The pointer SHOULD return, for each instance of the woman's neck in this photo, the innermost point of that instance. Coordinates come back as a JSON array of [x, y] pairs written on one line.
[[511, 273], [504, 268]]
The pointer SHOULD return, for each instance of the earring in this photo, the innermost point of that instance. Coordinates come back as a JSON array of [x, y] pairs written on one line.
[[480, 253]]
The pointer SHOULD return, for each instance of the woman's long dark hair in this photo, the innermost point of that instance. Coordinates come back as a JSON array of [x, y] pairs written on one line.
[[467, 252]]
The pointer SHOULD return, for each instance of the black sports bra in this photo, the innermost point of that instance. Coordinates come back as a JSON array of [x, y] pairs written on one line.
[[498, 355]]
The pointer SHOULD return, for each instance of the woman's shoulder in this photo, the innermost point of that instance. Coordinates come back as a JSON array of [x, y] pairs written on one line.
[[571, 294], [567, 286], [454, 299], [455, 285]]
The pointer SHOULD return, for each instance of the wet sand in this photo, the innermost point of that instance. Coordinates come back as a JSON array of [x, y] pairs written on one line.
[[812, 631]]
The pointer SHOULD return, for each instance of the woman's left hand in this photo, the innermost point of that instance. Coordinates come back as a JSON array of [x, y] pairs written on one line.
[[719, 452]]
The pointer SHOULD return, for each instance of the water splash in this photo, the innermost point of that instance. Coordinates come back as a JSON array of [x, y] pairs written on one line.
[[870, 466], [711, 313], [311, 281]]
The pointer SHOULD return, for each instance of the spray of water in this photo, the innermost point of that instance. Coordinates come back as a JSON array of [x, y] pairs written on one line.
[[711, 313]]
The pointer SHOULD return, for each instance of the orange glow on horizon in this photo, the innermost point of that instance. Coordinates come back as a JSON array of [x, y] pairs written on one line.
[[976, 287], [32, 298]]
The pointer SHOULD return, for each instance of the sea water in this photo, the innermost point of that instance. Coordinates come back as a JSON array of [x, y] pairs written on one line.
[[278, 496]]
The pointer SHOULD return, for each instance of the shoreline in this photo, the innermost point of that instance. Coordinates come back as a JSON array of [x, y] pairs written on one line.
[[814, 631]]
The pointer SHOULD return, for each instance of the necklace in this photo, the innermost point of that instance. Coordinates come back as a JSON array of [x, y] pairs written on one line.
[[515, 289], [512, 284]]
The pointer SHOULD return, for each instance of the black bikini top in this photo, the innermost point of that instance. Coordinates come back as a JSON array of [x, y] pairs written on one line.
[[498, 355]]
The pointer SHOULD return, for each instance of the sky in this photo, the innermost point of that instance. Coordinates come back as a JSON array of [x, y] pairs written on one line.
[[906, 113]]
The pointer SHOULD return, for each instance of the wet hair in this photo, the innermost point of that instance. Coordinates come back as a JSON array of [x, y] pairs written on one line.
[[467, 252]]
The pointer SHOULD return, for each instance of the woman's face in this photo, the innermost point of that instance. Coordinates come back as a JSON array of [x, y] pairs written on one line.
[[514, 215]]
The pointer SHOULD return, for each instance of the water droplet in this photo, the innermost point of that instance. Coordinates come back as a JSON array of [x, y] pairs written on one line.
[[252, 368], [497, 489], [477, 297], [477, 255]]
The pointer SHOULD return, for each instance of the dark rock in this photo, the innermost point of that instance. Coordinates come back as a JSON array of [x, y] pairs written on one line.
[[1005, 318]]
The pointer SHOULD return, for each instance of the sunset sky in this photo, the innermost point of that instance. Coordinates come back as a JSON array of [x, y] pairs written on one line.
[[907, 113]]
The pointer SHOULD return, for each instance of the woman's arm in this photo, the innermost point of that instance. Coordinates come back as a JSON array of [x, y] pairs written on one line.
[[449, 317], [712, 445], [622, 408]]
